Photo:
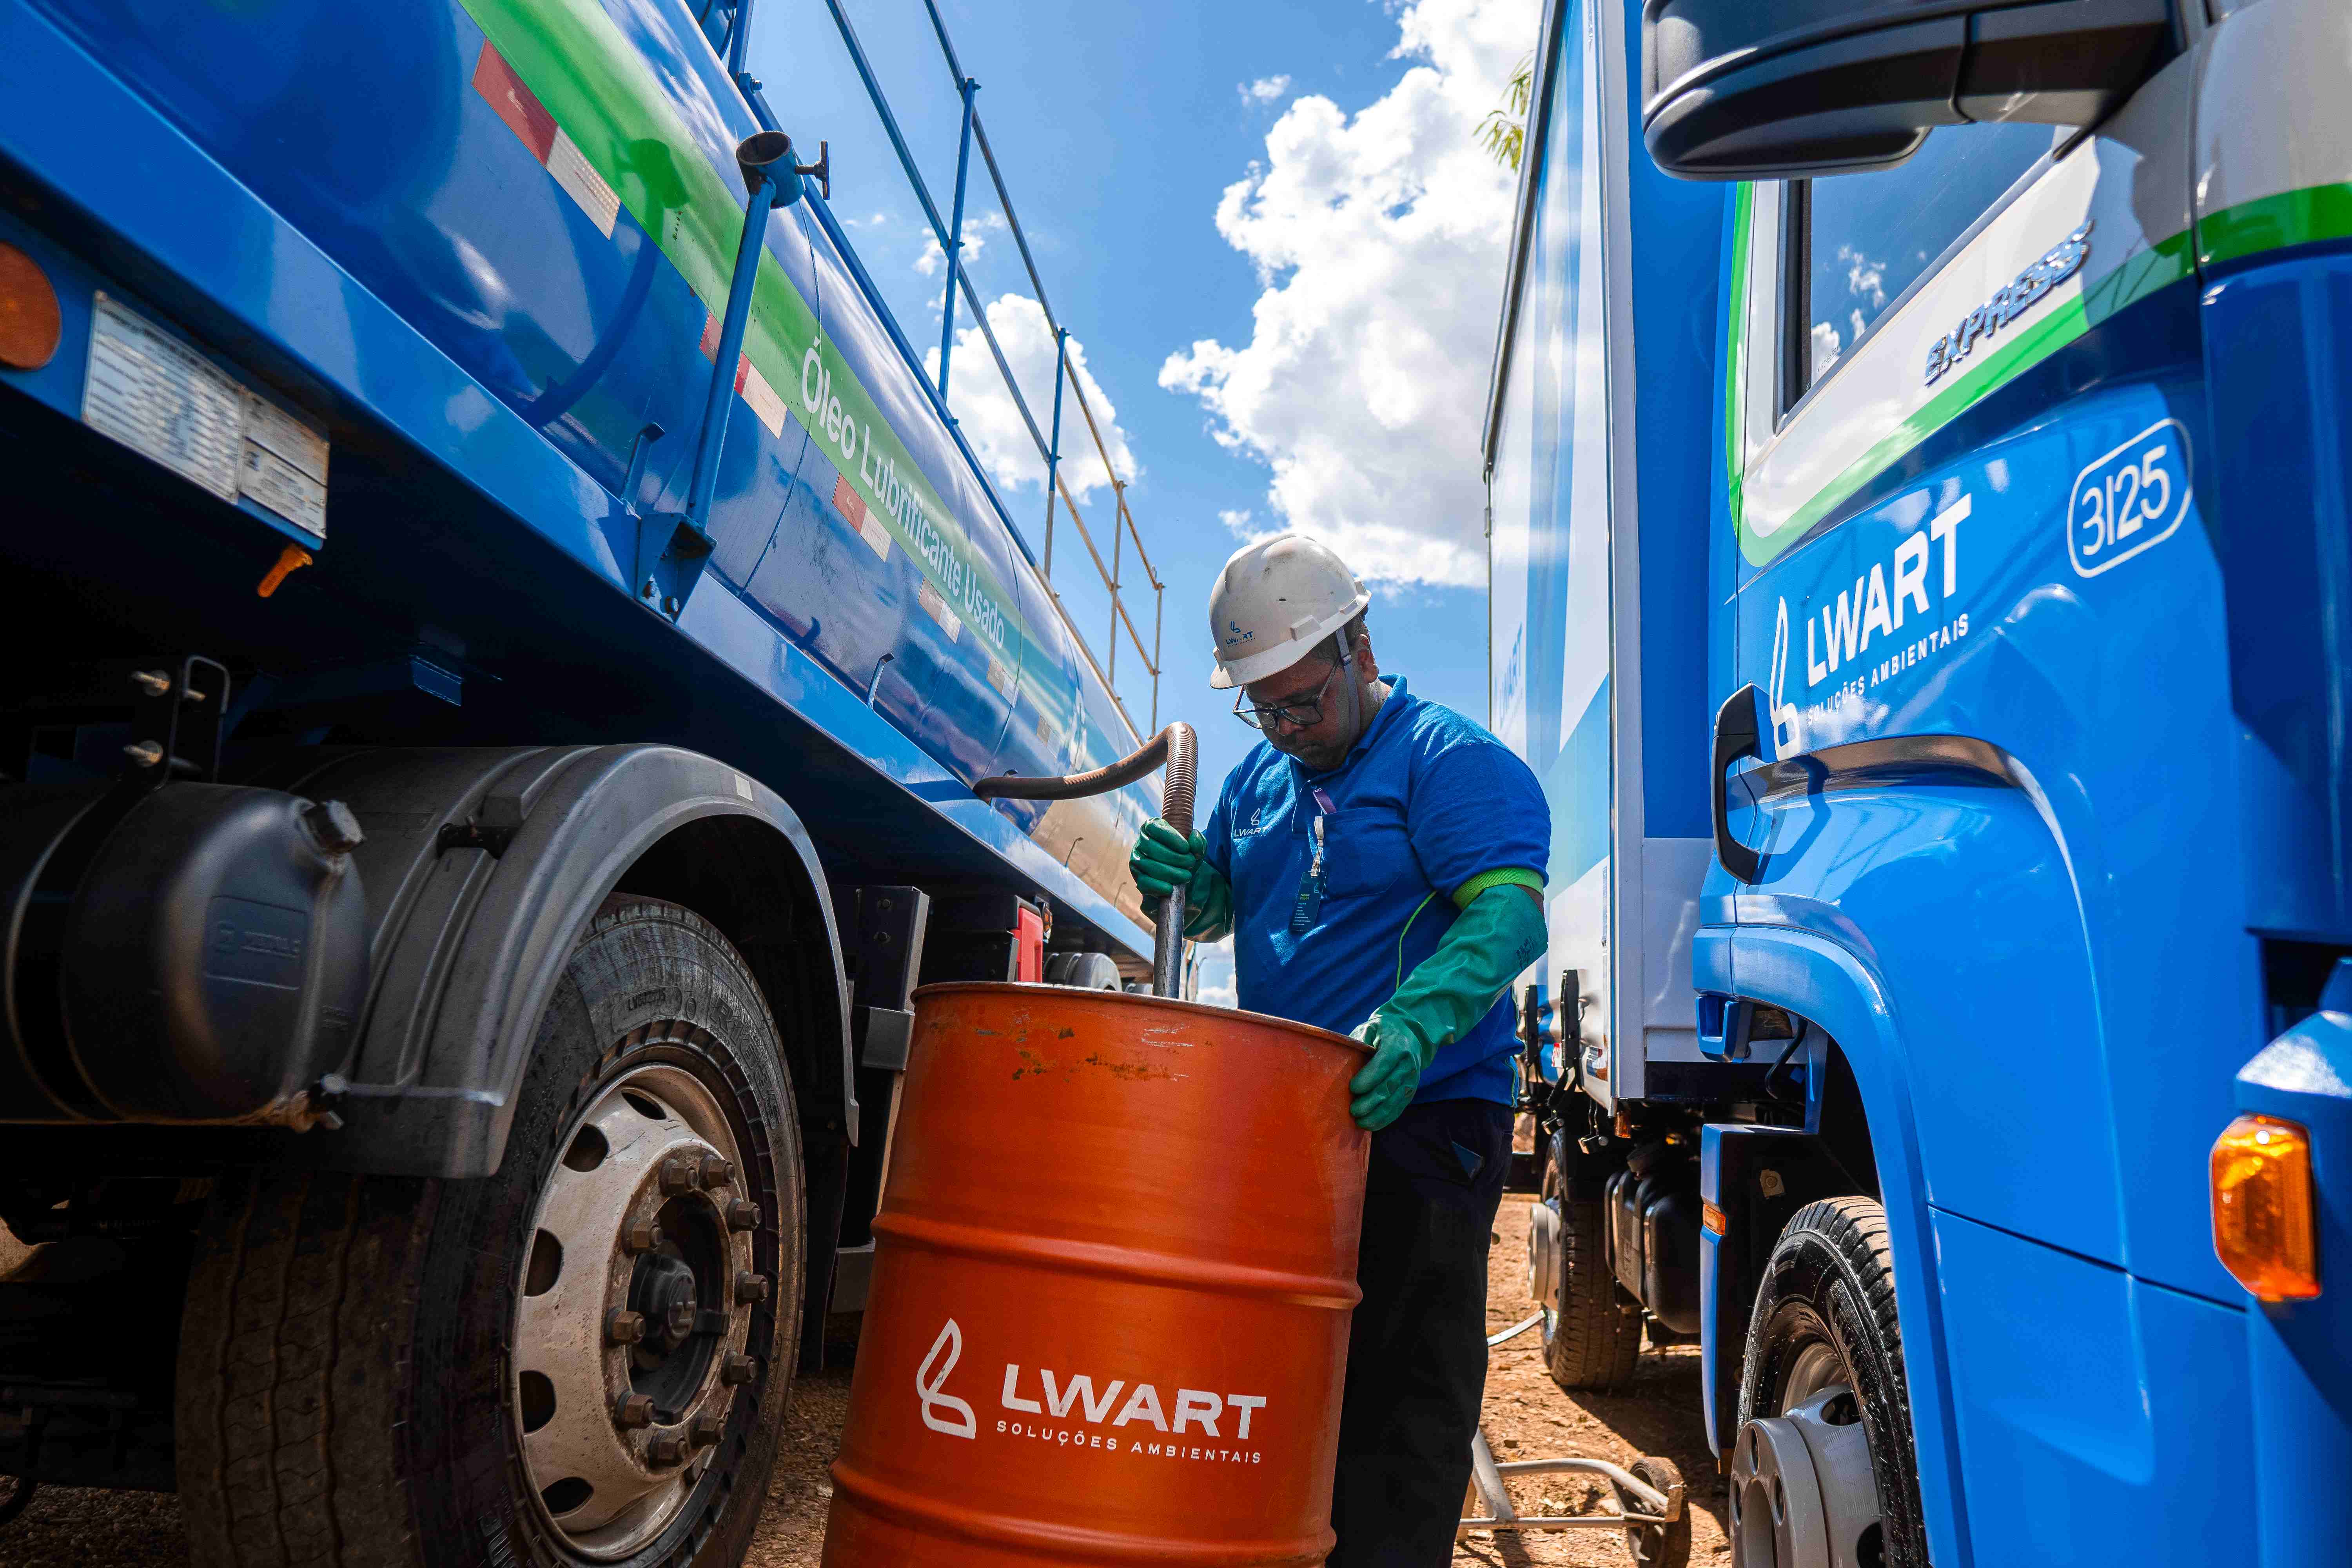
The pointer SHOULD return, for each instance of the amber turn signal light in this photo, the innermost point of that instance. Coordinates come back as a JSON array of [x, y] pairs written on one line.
[[2264, 1227], [29, 321]]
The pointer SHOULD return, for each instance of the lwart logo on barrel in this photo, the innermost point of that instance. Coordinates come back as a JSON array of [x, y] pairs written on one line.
[[928, 1382], [1198, 1413]]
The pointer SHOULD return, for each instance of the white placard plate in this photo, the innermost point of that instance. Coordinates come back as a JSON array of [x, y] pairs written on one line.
[[163, 400]]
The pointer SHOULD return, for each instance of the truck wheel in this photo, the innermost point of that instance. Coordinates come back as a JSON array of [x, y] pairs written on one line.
[[1823, 1470], [1591, 1328], [582, 1358]]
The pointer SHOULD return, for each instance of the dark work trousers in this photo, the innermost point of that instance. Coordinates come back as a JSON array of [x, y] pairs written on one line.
[[1417, 1345]]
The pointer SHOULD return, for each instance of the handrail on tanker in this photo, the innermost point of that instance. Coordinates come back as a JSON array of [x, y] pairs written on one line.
[[949, 236]]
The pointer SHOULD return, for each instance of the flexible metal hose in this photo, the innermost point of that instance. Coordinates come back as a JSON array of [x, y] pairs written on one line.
[[1175, 746]]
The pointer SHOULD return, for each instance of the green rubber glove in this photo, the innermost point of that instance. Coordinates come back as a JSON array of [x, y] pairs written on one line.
[[1496, 936], [1384, 1086], [1164, 860]]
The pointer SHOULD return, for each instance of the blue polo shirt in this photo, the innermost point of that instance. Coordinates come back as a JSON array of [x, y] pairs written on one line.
[[1426, 801]]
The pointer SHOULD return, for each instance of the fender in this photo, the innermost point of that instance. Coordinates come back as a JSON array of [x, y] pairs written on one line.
[[482, 867], [1851, 925], [1820, 980]]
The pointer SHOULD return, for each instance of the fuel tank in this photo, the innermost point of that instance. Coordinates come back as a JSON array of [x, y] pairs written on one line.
[[196, 952], [1115, 1264]]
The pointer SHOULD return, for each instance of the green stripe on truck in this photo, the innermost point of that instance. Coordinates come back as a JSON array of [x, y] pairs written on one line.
[[602, 92]]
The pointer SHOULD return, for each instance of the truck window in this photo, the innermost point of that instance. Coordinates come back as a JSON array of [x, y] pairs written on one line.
[[1858, 241]]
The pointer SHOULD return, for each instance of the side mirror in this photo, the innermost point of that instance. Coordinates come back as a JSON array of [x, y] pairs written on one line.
[[1760, 89]]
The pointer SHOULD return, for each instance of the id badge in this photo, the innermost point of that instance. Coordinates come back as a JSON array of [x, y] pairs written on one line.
[[1309, 902]]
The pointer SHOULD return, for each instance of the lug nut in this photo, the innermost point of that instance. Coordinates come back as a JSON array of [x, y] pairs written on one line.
[[145, 753], [676, 1176], [153, 682], [704, 1430], [742, 1215], [736, 1370], [750, 1287], [623, 1327], [633, 1410], [667, 1448], [644, 1235], [680, 1317], [716, 1170]]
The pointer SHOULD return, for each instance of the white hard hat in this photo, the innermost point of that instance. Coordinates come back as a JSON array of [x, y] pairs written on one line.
[[1274, 601]]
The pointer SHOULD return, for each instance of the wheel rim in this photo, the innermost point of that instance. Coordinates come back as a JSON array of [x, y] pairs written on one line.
[[1803, 1491], [1547, 1301], [642, 1231], [1815, 1368]]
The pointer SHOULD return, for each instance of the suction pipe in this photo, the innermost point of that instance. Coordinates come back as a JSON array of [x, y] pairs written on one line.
[[1174, 746]]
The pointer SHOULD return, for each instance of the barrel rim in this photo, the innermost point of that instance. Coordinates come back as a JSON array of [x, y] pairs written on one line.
[[1126, 999], [1109, 1260]]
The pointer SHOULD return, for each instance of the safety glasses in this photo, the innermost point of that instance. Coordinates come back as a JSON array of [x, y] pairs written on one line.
[[1299, 713]]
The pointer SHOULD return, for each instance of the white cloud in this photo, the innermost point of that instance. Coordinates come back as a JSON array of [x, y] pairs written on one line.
[[1378, 241], [1237, 521], [933, 261], [1265, 90], [1826, 348], [992, 425], [1864, 278]]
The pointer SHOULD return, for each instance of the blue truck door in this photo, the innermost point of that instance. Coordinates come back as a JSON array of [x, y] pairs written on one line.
[[1976, 588]]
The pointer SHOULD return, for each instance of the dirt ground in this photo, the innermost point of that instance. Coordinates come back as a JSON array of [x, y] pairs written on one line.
[[1527, 1417]]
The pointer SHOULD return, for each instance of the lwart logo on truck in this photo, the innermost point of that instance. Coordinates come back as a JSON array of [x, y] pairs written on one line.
[[1191, 1427], [1897, 598]]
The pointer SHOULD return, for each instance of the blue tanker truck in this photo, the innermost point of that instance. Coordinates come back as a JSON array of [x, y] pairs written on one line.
[[505, 637], [1921, 557]]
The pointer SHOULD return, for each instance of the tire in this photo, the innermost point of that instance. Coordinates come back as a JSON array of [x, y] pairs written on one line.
[[1591, 1328], [357, 1353], [1825, 1316], [1660, 1545]]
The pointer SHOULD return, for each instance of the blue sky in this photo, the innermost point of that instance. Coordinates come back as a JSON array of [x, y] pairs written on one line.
[[1271, 235]]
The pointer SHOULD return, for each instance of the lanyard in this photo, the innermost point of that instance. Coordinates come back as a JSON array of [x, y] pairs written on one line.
[[1309, 902]]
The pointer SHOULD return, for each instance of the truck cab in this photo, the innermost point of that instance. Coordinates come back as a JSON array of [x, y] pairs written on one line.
[[1919, 532]]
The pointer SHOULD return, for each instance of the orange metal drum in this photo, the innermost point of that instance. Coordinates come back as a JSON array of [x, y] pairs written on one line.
[[1113, 1272]]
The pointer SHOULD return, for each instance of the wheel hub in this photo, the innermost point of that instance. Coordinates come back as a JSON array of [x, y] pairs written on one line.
[[661, 1291], [1802, 1492], [1543, 1254], [630, 1329]]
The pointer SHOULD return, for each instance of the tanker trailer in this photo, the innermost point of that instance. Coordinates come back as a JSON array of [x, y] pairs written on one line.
[[478, 781]]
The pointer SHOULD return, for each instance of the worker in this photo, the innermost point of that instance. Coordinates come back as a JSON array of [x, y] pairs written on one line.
[[1379, 860]]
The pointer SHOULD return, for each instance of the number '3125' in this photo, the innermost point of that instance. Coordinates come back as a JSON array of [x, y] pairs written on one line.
[[2130, 500]]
